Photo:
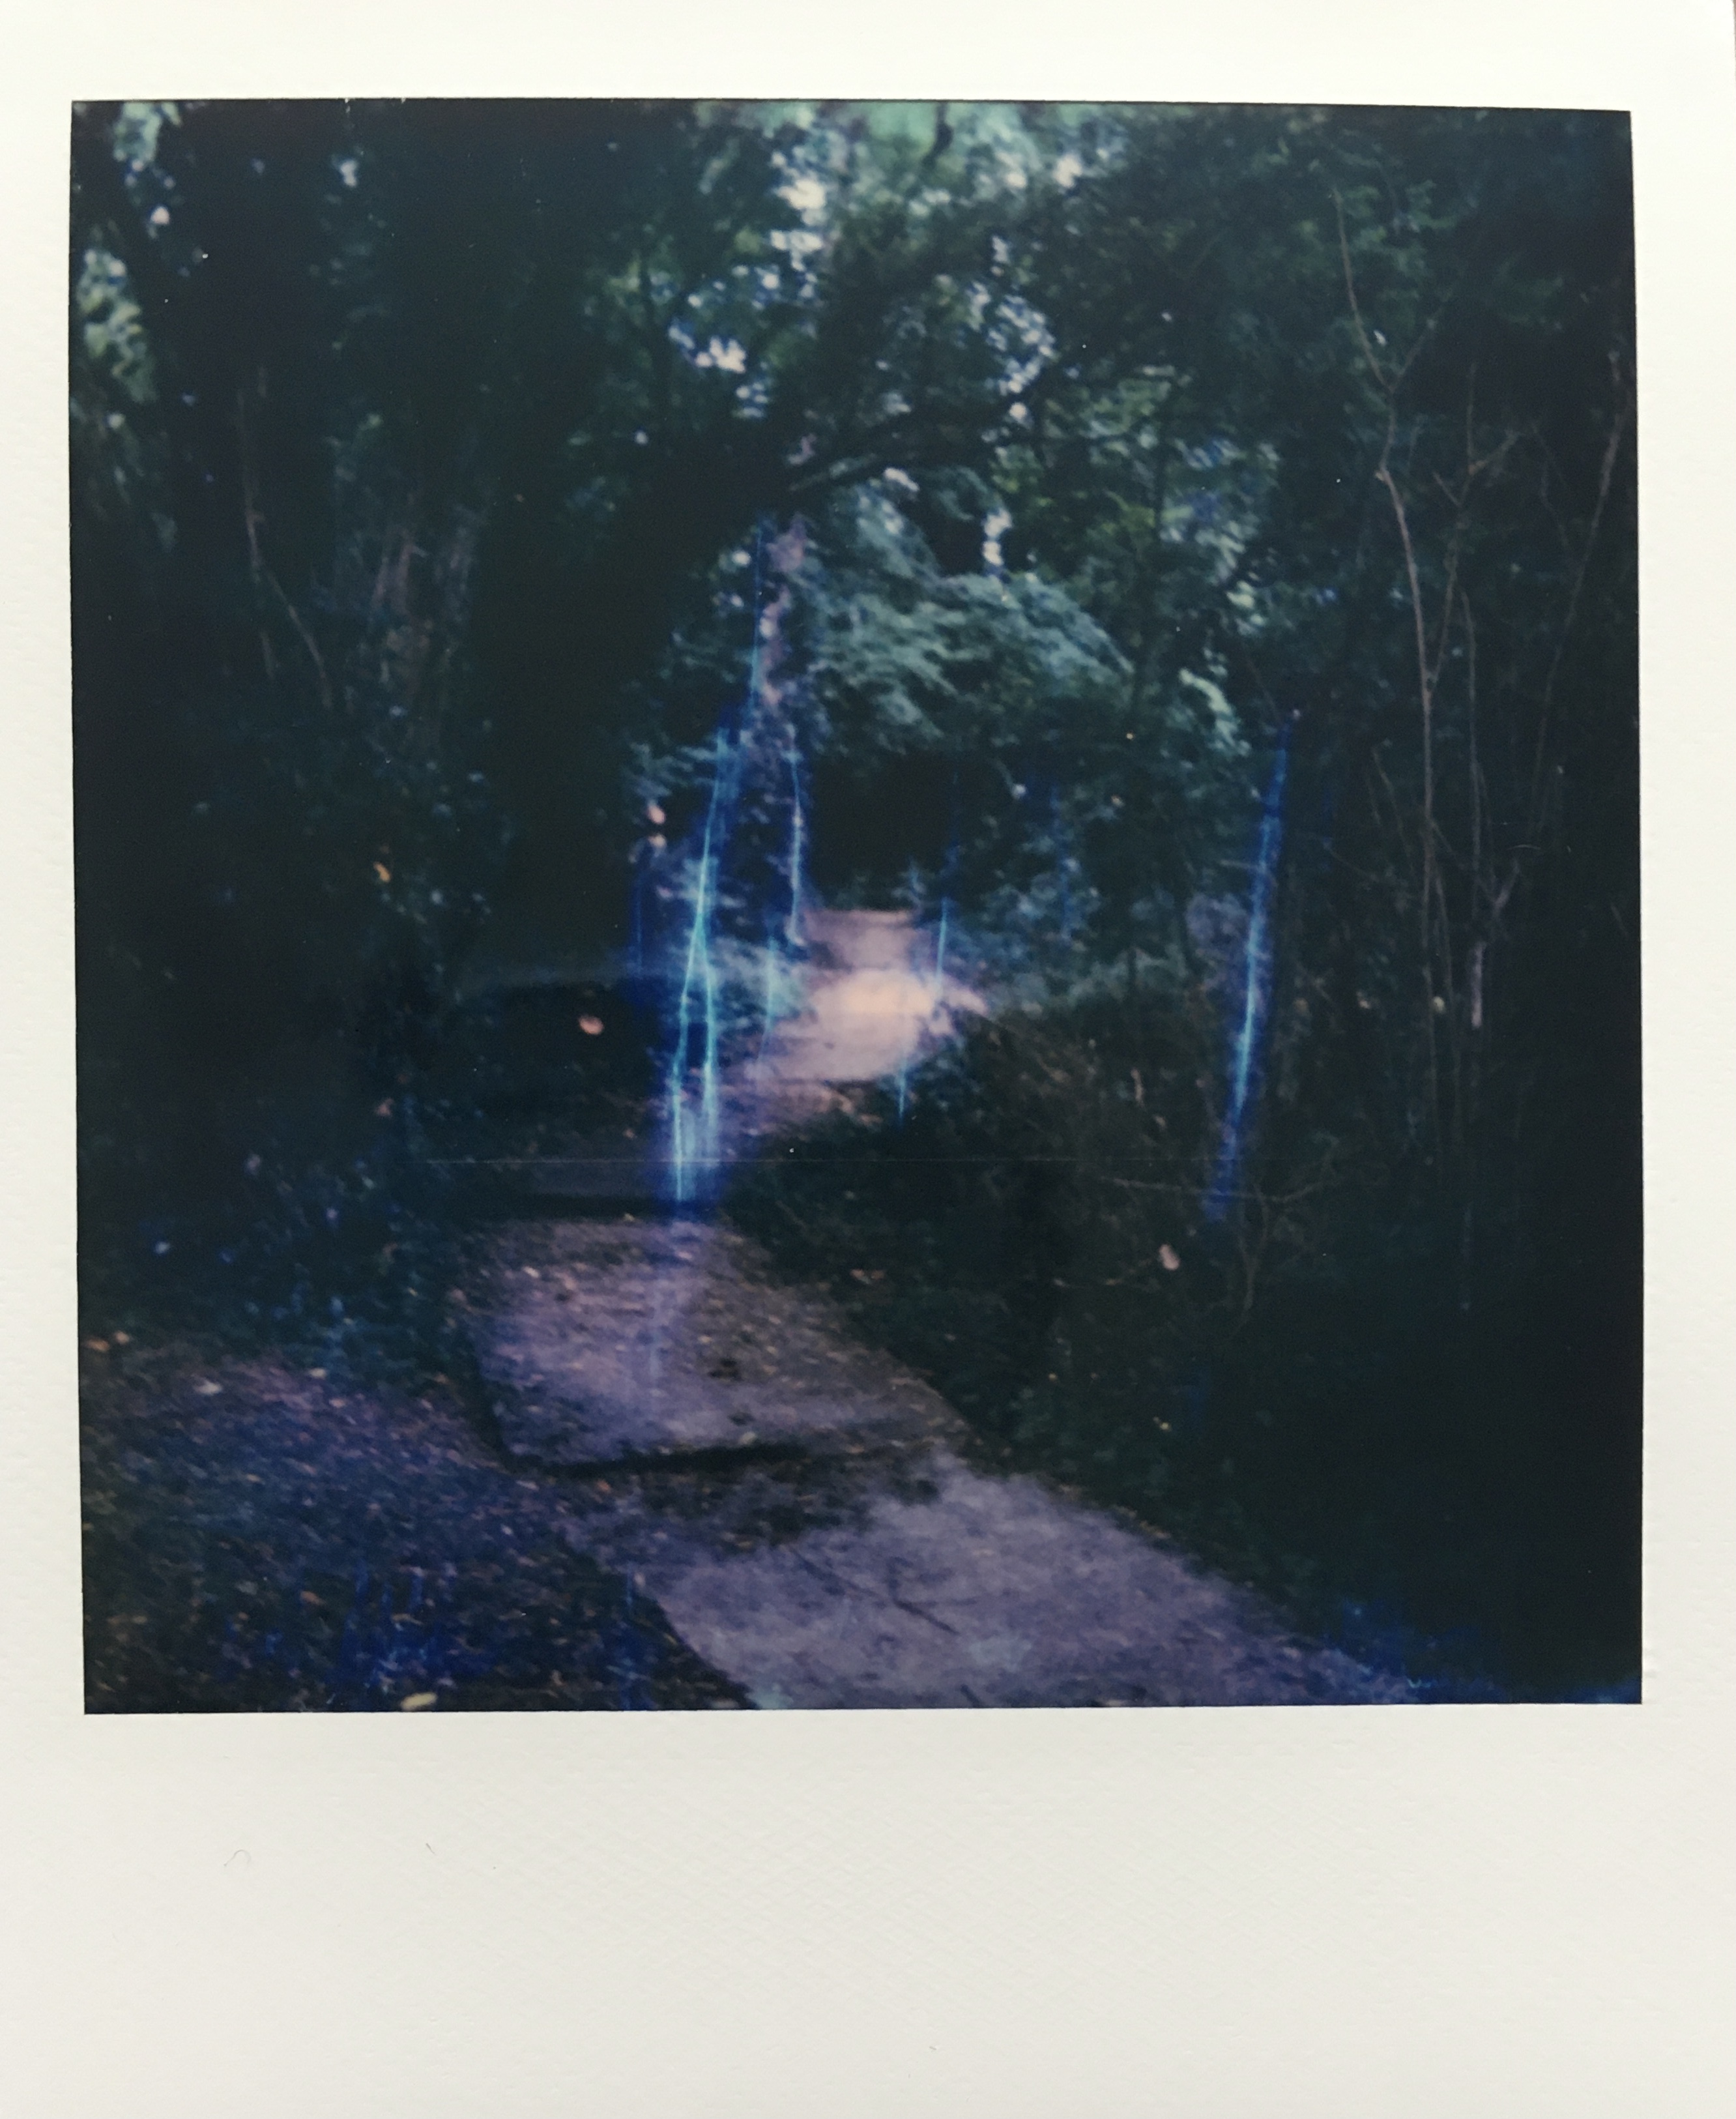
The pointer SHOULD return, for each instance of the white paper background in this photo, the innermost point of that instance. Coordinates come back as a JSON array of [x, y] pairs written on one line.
[[1271, 1912]]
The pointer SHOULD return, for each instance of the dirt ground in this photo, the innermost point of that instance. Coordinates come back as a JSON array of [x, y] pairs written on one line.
[[665, 1479], [257, 1537]]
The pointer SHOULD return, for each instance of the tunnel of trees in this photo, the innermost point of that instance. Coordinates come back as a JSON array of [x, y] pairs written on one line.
[[434, 467]]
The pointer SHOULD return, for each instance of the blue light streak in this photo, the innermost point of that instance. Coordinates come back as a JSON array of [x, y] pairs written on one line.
[[695, 1137], [798, 848], [937, 987], [1256, 990], [696, 1124]]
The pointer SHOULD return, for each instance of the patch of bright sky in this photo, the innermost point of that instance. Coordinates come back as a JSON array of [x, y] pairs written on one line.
[[1022, 333], [113, 325], [806, 194], [1010, 154], [913, 122], [995, 527], [1247, 600], [136, 131], [770, 118], [799, 243], [728, 354]]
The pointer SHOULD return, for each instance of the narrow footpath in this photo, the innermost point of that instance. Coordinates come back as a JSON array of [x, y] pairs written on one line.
[[805, 1512]]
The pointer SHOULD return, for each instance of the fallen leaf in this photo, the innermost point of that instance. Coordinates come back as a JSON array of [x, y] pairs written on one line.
[[121, 1338], [417, 1699], [1168, 1259], [383, 1110], [97, 1345], [383, 872], [591, 1025], [206, 1390]]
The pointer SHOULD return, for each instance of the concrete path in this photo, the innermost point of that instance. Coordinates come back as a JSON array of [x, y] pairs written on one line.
[[805, 1511]]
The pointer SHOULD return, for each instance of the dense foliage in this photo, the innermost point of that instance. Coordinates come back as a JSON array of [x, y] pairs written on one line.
[[435, 469]]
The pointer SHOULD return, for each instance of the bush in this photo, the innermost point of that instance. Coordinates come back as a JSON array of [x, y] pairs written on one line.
[[1298, 1394]]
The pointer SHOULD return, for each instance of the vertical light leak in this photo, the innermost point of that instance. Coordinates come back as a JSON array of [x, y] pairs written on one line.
[[694, 1134], [769, 968], [783, 939], [696, 1120], [751, 865], [798, 849], [936, 988], [1256, 989]]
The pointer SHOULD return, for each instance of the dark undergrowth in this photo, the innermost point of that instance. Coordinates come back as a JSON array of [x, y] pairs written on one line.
[[291, 1499], [314, 1207], [261, 1539], [1442, 1479]]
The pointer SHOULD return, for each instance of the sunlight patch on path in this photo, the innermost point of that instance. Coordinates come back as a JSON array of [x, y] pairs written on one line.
[[874, 1004]]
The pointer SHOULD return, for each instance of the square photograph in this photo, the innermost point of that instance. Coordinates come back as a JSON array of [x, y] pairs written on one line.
[[858, 901]]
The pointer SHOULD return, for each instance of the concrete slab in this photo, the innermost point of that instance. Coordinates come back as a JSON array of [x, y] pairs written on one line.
[[951, 1587], [871, 1564], [600, 1340]]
